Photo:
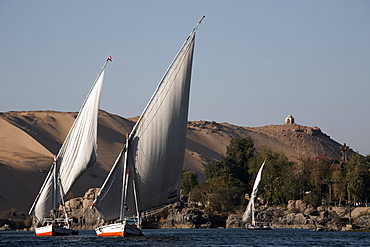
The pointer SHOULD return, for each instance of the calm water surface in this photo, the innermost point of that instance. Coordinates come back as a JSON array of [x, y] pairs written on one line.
[[195, 237]]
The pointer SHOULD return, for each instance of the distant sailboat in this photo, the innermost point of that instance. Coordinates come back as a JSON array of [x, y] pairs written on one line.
[[249, 212], [147, 172], [77, 153]]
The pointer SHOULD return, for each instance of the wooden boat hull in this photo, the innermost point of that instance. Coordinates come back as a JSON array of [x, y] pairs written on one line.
[[118, 230], [51, 230]]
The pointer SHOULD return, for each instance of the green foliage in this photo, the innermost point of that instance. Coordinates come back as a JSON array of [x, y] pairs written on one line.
[[189, 181], [214, 169], [219, 194], [235, 163], [357, 178], [312, 199], [226, 180], [231, 193], [339, 181], [238, 153], [317, 181], [276, 184], [200, 193]]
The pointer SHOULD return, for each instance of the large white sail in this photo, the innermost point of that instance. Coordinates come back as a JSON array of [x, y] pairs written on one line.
[[154, 152], [77, 153], [249, 212], [158, 145]]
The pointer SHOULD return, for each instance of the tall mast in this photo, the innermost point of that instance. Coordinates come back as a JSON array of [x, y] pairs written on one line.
[[124, 181], [55, 188]]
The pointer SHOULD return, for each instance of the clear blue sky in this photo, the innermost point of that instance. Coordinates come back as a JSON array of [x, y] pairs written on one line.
[[255, 62]]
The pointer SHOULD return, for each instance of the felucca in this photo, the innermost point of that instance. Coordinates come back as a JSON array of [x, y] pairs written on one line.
[[147, 172], [249, 212], [77, 153]]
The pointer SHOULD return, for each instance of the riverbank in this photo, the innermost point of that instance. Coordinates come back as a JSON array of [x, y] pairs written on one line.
[[187, 215]]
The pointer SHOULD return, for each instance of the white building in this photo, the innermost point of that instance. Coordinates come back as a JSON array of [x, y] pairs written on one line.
[[289, 120]]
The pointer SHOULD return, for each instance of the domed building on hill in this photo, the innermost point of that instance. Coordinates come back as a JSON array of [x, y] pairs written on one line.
[[289, 120]]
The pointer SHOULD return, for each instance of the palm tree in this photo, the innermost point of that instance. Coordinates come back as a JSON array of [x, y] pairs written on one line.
[[344, 150]]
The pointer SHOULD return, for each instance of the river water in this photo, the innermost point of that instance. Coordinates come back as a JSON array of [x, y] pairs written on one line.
[[195, 237]]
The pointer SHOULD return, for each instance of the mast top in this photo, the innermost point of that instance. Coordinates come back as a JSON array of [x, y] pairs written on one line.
[[200, 21]]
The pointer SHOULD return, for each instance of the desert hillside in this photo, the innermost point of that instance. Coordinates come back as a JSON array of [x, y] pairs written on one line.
[[29, 140]]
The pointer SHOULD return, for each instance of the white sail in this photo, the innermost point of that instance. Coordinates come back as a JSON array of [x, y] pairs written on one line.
[[158, 145], [154, 153], [108, 200], [249, 212], [77, 153]]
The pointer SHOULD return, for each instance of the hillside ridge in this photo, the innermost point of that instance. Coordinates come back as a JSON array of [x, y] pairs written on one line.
[[30, 139]]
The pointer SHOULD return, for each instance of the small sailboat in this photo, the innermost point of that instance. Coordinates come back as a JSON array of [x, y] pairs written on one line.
[[249, 212], [147, 173], [77, 153]]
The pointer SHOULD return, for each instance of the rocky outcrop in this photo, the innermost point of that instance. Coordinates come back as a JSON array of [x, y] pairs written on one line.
[[301, 215], [299, 206], [179, 215], [234, 221], [78, 209], [5, 227], [363, 222]]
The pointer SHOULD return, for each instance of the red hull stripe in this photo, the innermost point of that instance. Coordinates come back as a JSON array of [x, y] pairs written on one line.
[[111, 234], [45, 234], [116, 234]]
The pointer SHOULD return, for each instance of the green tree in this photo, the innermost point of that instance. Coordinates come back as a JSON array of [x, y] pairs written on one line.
[[235, 163], [226, 180], [214, 169], [221, 194], [189, 181], [200, 194], [238, 153], [315, 172], [344, 150], [357, 177], [340, 185], [277, 183], [231, 193]]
